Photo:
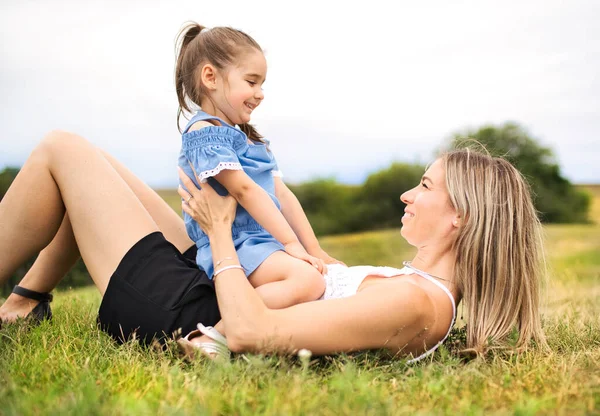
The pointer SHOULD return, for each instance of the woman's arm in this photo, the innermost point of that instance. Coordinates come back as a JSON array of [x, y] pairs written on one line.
[[374, 318], [296, 217]]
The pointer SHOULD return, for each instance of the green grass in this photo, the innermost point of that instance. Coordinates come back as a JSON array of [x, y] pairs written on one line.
[[67, 366]]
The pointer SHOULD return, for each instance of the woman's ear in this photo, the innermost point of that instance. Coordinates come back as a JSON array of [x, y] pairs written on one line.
[[208, 77], [456, 222]]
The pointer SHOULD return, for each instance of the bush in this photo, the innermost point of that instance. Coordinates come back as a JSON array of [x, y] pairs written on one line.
[[334, 208], [331, 207], [380, 194], [6, 177]]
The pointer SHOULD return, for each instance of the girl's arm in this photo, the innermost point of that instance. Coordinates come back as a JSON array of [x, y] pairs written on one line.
[[375, 318], [262, 208], [259, 204], [295, 216]]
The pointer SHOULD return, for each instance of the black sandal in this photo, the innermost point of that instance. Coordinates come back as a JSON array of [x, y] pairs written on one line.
[[42, 310]]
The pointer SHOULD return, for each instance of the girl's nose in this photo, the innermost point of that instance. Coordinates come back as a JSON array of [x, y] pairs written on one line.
[[260, 95]]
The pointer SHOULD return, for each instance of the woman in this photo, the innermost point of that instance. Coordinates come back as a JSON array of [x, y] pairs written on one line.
[[471, 219]]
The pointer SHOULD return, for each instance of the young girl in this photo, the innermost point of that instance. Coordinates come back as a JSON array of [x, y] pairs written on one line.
[[221, 71]]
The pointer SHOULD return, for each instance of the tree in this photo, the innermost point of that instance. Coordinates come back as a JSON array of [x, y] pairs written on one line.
[[556, 199], [380, 194]]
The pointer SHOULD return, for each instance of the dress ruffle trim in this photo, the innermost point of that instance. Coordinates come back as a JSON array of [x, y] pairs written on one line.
[[204, 175]]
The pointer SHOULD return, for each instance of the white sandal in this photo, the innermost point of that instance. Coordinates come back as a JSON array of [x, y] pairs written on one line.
[[214, 350]]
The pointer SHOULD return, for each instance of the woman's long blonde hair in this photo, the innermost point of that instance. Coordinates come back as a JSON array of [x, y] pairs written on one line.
[[499, 251]]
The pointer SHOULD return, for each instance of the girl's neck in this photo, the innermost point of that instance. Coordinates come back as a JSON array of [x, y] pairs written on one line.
[[209, 108]]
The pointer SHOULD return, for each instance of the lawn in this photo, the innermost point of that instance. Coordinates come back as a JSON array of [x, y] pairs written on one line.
[[67, 366]]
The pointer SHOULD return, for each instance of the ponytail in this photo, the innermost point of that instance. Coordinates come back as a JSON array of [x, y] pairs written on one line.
[[186, 35]]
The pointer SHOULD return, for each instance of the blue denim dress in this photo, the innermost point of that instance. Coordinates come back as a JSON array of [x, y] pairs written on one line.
[[211, 150]]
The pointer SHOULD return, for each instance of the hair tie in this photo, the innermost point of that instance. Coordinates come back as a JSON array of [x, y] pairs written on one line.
[[204, 29]]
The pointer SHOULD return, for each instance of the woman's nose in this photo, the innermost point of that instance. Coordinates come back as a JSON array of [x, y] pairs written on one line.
[[407, 197]]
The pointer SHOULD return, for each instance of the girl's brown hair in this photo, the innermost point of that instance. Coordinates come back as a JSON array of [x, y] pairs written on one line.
[[219, 46]]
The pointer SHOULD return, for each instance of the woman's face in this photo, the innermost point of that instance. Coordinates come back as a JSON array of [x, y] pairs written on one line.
[[429, 217]]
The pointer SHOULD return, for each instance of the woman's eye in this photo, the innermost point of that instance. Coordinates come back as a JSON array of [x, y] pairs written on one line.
[[424, 186]]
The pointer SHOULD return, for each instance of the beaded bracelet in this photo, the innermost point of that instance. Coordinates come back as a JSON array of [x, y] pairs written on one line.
[[235, 266]]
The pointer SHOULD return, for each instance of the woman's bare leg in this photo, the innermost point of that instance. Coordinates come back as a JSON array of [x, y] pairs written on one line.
[[48, 269], [66, 173], [61, 254], [54, 261], [169, 223]]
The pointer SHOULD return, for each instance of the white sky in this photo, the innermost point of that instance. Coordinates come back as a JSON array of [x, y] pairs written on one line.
[[352, 85]]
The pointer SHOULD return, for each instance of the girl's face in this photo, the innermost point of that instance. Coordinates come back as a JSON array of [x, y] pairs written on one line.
[[239, 91], [429, 215]]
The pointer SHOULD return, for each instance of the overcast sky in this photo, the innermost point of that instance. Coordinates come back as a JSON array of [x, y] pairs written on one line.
[[351, 86]]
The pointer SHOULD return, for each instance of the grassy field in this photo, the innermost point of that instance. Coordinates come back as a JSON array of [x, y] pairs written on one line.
[[69, 367]]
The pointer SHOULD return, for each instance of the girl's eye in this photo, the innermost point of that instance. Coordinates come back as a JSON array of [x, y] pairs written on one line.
[[252, 83]]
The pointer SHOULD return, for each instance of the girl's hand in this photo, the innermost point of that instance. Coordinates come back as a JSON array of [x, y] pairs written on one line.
[[296, 250], [205, 206], [326, 258]]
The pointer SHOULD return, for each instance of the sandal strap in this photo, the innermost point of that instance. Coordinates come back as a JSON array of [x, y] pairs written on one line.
[[32, 294], [211, 332], [214, 348]]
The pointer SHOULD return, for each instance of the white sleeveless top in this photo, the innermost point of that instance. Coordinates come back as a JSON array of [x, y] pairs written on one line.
[[342, 281]]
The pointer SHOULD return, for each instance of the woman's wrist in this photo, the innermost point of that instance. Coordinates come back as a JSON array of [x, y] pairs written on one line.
[[219, 231]]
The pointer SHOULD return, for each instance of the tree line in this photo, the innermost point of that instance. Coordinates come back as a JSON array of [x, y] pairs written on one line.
[[335, 208]]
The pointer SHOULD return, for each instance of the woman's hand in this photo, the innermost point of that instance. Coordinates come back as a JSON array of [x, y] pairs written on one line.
[[205, 206]]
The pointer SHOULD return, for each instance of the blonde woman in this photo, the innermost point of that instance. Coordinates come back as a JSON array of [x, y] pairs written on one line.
[[471, 219]]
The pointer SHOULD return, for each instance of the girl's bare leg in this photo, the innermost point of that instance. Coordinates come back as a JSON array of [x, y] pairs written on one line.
[[66, 173], [282, 281], [61, 254]]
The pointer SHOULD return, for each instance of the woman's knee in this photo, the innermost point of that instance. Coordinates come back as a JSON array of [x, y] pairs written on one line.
[[57, 142], [60, 140]]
